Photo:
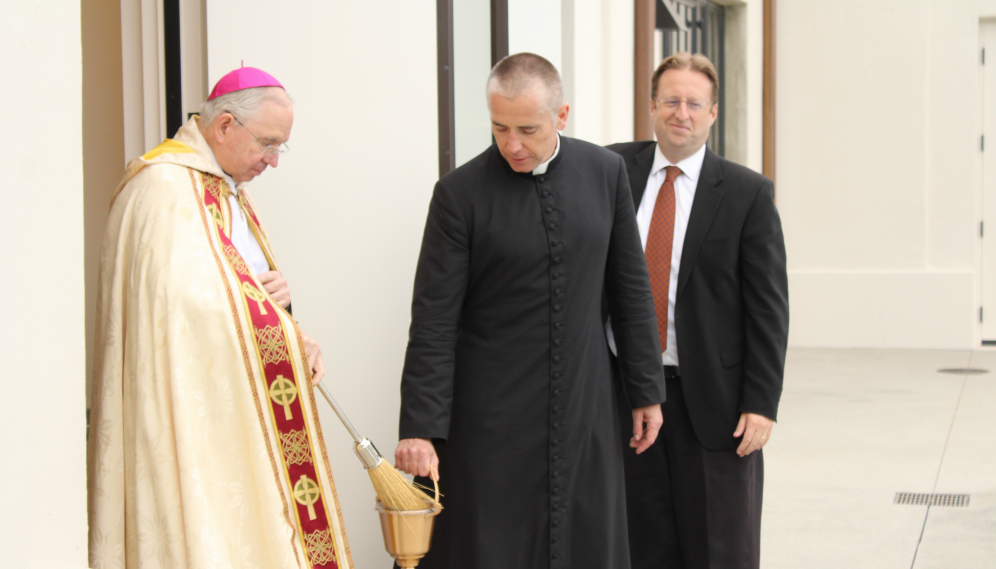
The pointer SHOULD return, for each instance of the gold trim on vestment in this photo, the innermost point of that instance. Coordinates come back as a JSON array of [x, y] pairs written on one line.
[[297, 523], [168, 146], [213, 238], [284, 393], [322, 448]]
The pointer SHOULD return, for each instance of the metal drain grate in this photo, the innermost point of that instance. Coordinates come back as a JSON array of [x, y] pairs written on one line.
[[963, 371], [910, 499]]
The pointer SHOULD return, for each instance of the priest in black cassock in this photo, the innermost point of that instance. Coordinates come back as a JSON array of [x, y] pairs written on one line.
[[507, 384]]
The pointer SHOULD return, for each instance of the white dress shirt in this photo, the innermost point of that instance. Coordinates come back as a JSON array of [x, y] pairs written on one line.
[[242, 237], [684, 194]]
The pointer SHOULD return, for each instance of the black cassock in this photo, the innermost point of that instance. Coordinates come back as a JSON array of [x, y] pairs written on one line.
[[507, 367]]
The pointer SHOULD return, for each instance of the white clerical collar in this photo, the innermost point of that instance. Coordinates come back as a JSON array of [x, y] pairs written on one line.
[[691, 166], [541, 169]]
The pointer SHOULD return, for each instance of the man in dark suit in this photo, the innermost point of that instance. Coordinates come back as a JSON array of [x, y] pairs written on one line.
[[716, 258]]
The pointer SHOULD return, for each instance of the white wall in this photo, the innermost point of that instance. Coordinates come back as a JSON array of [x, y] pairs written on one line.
[[597, 54], [346, 208], [43, 479], [878, 170], [534, 26], [471, 67], [754, 105]]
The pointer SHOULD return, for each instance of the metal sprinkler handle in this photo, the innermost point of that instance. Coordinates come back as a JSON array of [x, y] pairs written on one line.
[[364, 448], [338, 411]]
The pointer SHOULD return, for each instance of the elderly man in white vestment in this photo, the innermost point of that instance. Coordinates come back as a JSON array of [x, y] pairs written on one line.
[[205, 448]]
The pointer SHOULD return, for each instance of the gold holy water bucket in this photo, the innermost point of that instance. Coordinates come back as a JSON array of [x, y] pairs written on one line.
[[407, 534]]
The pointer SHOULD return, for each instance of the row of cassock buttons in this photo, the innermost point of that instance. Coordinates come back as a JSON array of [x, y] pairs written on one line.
[[557, 277]]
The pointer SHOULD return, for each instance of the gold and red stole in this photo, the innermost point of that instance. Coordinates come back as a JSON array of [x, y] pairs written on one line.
[[300, 443]]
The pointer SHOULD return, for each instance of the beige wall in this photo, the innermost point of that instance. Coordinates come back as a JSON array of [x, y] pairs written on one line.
[[878, 170], [193, 55], [43, 479], [103, 136], [744, 75], [142, 69], [346, 207]]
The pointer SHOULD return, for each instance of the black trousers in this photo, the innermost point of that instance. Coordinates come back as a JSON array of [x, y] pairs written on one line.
[[690, 507]]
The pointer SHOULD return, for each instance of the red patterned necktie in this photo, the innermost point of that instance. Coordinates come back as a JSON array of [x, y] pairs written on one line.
[[658, 250]]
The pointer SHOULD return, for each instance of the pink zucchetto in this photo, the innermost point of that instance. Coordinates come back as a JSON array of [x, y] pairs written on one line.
[[243, 78]]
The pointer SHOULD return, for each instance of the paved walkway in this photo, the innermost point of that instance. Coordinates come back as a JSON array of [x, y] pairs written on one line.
[[856, 427]]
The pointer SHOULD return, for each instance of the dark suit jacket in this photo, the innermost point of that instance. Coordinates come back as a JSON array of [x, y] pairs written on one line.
[[731, 309]]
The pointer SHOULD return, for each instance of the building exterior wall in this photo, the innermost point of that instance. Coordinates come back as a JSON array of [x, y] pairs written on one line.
[[744, 76], [878, 170], [597, 68], [42, 338], [535, 26], [878, 187]]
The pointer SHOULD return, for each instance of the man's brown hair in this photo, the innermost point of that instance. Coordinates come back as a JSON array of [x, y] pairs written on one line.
[[685, 60]]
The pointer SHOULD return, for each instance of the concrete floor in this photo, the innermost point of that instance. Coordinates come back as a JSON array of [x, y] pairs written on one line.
[[856, 427]]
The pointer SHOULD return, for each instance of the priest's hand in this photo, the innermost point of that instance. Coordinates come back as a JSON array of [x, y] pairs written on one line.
[[276, 287], [643, 438], [416, 456], [315, 361], [756, 430]]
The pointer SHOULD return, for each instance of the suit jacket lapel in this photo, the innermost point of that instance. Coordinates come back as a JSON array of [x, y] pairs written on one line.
[[708, 195], [638, 170]]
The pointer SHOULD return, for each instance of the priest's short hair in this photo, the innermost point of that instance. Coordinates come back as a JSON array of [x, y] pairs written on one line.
[[521, 71]]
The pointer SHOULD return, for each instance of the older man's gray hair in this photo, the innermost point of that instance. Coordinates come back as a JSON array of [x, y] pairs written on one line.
[[244, 104], [519, 72]]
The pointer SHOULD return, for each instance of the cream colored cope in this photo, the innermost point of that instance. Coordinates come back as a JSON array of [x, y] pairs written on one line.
[[186, 468]]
